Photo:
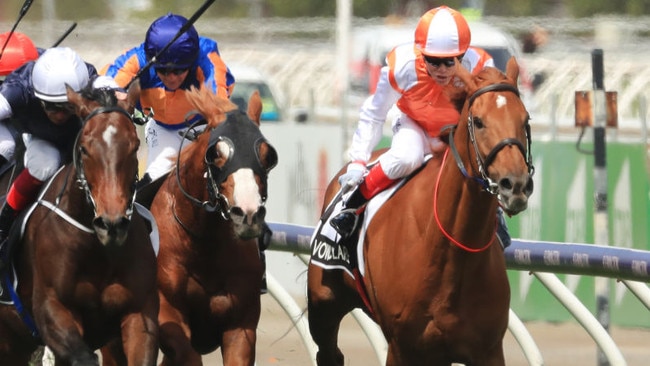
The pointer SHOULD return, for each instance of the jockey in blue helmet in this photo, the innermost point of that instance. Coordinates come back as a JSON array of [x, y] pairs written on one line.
[[191, 60]]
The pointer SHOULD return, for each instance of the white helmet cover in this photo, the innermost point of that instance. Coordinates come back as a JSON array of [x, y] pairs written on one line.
[[54, 69]]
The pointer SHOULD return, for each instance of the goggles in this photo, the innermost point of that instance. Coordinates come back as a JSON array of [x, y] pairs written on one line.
[[170, 70], [437, 61], [57, 107]]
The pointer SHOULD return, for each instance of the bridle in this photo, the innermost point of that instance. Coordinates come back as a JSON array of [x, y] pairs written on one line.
[[224, 132], [78, 164], [483, 163]]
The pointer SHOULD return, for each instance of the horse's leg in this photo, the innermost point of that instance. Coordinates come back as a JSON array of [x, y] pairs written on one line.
[[175, 337], [61, 332], [140, 335], [113, 353], [327, 303], [238, 347]]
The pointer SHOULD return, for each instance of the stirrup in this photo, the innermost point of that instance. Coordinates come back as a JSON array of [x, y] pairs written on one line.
[[342, 224]]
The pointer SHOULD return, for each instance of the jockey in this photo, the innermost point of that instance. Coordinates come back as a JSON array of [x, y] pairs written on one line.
[[35, 97], [419, 79], [191, 60], [19, 50]]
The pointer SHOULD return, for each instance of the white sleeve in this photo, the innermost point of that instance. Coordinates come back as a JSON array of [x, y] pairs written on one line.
[[5, 108], [372, 117]]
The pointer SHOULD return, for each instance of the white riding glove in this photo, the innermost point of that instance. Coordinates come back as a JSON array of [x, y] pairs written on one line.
[[354, 174]]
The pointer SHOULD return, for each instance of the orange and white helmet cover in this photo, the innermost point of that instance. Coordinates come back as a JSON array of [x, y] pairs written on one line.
[[442, 32]]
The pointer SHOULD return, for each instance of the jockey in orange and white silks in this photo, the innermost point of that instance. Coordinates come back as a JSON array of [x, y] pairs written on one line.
[[418, 79], [191, 60]]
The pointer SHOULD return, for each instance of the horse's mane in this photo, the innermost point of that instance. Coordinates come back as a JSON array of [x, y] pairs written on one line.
[[490, 75], [104, 96], [213, 108]]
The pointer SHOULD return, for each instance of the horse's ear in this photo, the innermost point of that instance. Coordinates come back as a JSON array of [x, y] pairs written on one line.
[[512, 69], [133, 96], [255, 107], [77, 101], [465, 76]]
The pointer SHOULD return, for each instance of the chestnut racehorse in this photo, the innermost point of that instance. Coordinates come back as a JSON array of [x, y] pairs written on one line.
[[435, 280], [210, 212], [86, 267]]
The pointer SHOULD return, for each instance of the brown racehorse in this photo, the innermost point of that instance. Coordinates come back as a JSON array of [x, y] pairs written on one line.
[[86, 265], [210, 212], [435, 280]]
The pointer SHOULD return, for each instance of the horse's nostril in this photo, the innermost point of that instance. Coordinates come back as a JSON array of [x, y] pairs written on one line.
[[236, 211], [529, 187], [506, 184]]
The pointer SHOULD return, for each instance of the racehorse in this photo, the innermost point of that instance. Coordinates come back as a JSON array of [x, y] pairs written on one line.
[[433, 278], [85, 265], [210, 212]]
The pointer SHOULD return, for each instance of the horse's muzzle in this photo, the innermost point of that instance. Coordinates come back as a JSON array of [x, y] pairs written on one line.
[[111, 232], [514, 192], [247, 225]]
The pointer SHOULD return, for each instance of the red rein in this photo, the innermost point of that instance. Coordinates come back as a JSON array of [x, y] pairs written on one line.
[[435, 213]]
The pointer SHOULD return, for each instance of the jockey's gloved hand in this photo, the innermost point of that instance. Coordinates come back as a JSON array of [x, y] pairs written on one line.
[[140, 118], [354, 174]]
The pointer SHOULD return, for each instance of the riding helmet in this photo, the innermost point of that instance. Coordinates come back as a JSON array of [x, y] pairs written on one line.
[[55, 68], [182, 53], [442, 32], [18, 50]]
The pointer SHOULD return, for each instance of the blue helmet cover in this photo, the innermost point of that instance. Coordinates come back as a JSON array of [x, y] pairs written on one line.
[[182, 53]]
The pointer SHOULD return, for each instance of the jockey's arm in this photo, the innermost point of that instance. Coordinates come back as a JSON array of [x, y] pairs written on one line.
[[371, 119]]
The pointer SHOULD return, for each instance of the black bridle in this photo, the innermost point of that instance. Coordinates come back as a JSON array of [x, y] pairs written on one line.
[[78, 164], [244, 140], [483, 163]]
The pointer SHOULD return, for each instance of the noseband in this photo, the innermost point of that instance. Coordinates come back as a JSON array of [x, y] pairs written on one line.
[[483, 164], [81, 176]]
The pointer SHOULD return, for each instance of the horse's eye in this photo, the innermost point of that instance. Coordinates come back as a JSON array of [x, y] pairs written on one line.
[[83, 150], [478, 123]]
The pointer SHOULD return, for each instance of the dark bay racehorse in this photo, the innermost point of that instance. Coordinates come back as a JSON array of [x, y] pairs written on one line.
[[210, 212], [86, 266], [435, 279]]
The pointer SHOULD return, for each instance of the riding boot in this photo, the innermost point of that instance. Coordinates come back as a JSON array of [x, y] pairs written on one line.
[[146, 179], [502, 229], [7, 217], [376, 181], [346, 221], [263, 243]]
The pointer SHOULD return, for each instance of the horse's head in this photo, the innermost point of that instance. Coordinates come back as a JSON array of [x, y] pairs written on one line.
[[498, 130], [237, 160], [105, 159]]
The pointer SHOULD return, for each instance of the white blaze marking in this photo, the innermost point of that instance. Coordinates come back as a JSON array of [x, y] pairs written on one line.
[[108, 134], [246, 192], [501, 101]]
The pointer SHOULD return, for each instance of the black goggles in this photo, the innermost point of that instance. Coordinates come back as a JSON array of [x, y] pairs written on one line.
[[437, 61], [57, 107], [170, 70]]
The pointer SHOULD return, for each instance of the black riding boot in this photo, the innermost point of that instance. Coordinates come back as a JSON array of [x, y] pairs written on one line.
[[7, 217], [263, 243], [502, 229], [346, 221]]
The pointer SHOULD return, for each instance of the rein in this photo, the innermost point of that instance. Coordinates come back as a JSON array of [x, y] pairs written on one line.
[[219, 201], [444, 232], [483, 164]]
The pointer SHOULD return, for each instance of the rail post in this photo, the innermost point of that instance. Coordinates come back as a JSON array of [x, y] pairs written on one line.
[[601, 221]]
